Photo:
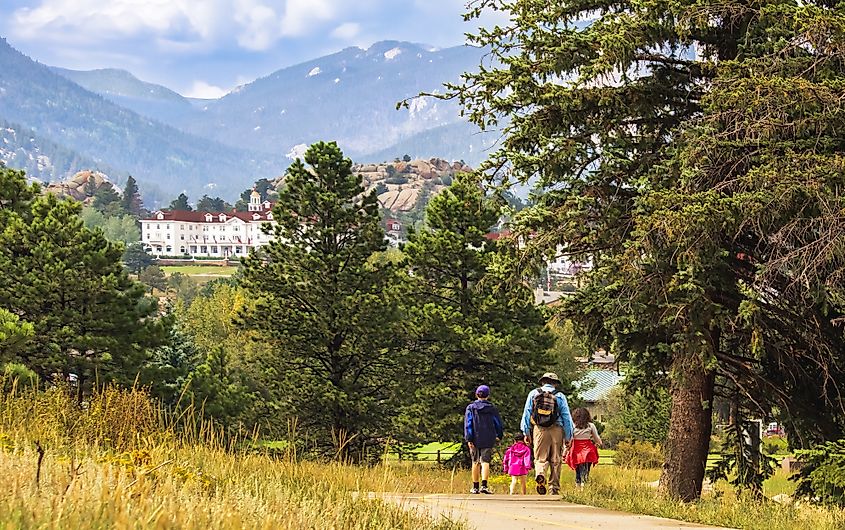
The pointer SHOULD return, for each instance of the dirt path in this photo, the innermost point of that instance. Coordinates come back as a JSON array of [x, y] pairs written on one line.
[[502, 512]]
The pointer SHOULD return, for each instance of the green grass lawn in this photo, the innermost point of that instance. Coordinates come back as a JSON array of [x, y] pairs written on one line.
[[427, 452], [200, 270]]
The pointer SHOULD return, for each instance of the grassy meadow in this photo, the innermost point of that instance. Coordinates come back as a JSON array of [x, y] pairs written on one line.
[[200, 271], [120, 463], [115, 465], [629, 490]]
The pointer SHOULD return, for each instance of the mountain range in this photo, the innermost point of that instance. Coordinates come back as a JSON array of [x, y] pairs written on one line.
[[110, 119]]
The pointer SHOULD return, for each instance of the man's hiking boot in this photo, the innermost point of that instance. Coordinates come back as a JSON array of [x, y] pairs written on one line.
[[474, 491], [555, 491], [485, 489], [541, 484]]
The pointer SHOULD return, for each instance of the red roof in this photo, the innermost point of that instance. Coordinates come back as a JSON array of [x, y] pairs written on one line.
[[495, 236], [201, 217]]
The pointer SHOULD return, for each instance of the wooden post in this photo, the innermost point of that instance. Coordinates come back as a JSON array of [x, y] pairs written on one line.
[[438, 456]]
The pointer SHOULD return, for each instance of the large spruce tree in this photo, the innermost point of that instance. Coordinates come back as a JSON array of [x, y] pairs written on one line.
[[131, 201], [471, 325], [601, 106], [329, 312], [68, 282]]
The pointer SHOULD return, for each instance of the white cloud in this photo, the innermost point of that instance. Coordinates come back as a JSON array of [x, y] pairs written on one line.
[[253, 24], [347, 30], [301, 15], [260, 23], [202, 90], [95, 19]]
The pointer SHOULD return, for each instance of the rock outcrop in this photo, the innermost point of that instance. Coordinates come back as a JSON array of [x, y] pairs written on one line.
[[401, 184], [76, 187]]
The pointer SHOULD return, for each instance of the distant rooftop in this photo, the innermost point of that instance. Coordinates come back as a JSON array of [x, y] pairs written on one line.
[[599, 383]]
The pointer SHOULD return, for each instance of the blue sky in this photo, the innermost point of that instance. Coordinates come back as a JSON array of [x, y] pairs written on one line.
[[204, 48]]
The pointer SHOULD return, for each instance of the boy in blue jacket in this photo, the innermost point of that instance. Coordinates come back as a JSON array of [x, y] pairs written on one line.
[[482, 429]]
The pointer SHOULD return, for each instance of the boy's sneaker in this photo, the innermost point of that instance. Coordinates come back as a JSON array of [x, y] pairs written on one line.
[[541, 484], [485, 489], [474, 491]]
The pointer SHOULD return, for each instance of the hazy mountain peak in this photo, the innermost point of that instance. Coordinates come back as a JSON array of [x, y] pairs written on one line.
[[349, 96], [118, 82], [90, 125]]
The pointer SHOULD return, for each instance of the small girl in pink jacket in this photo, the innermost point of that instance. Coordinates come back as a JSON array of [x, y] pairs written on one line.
[[517, 462]]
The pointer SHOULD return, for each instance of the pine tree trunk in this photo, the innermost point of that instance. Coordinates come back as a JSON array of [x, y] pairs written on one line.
[[690, 424]]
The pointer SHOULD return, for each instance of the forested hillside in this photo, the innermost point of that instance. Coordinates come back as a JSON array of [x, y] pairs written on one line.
[[43, 159], [63, 112]]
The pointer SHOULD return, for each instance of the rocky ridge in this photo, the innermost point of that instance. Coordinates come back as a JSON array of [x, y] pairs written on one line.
[[401, 184], [75, 186]]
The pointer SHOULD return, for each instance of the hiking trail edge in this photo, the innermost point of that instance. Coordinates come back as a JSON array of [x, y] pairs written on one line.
[[504, 512]]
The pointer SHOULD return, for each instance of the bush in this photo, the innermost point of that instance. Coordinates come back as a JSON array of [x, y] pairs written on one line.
[[640, 455], [16, 376], [636, 416], [775, 445], [822, 475], [717, 440]]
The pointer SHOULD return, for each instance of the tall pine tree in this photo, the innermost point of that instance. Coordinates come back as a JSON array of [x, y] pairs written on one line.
[[68, 281], [604, 116], [472, 324], [131, 199], [329, 312]]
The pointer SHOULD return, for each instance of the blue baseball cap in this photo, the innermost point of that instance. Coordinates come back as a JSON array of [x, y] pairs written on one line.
[[482, 391]]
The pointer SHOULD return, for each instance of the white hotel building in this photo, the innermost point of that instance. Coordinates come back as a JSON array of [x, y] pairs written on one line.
[[220, 235]]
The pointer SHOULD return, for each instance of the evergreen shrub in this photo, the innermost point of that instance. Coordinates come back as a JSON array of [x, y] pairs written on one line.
[[821, 478], [639, 455]]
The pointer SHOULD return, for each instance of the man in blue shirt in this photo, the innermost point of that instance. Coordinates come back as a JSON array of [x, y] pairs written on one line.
[[482, 429], [546, 420]]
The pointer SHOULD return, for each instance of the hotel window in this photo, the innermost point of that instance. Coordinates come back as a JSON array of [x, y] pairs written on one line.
[[214, 250], [168, 235], [182, 250], [182, 237], [203, 249], [193, 249]]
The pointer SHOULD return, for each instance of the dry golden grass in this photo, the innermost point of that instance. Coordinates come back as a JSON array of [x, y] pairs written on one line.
[[627, 490], [114, 465]]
